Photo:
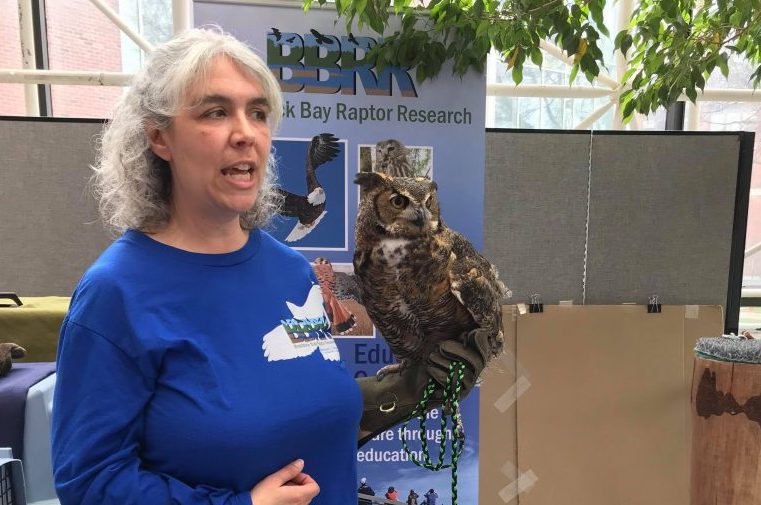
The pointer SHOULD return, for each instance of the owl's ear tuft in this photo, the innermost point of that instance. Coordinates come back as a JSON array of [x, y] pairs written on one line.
[[369, 180]]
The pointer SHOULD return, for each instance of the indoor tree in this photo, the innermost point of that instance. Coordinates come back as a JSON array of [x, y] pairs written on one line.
[[671, 46]]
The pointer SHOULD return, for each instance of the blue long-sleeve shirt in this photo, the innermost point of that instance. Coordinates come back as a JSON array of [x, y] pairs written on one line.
[[186, 378]]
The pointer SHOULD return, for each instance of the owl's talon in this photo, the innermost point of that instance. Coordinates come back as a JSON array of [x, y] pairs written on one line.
[[388, 369]]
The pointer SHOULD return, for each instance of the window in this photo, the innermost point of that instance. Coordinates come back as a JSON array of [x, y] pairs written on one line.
[[734, 116], [745, 116], [11, 95], [562, 112], [81, 37]]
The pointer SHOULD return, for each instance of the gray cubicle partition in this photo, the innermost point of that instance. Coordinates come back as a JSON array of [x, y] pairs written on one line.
[[49, 226], [615, 217], [667, 212]]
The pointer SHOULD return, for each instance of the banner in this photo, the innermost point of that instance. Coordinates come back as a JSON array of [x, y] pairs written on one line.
[[335, 96]]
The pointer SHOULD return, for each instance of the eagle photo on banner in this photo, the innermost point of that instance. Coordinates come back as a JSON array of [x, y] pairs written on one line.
[[313, 186]]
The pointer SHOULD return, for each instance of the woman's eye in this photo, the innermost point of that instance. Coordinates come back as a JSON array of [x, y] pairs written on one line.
[[399, 201], [215, 113], [259, 115]]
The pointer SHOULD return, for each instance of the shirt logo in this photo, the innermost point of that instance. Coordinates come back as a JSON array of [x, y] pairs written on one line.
[[304, 333]]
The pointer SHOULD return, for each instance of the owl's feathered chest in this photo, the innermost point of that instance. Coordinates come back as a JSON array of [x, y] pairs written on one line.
[[406, 290], [390, 263]]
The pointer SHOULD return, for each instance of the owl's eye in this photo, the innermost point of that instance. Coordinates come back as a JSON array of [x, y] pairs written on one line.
[[428, 203], [399, 201]]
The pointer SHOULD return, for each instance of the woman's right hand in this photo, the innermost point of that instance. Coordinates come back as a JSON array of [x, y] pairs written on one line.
[[287, 486]]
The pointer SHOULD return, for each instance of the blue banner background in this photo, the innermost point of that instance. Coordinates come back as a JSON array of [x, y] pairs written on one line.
[[458, 168]]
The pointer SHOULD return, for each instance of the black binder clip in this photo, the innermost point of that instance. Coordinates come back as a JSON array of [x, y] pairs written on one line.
[[653, 305], [12, 297], [535, 306]]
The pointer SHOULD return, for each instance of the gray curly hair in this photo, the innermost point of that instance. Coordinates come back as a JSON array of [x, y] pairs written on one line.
[[132, 184]]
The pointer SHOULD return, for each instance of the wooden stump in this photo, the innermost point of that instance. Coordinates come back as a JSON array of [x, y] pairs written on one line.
[[726, 433]]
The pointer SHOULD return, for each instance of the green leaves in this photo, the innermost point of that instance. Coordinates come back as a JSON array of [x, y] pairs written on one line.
[[623, 41], [671, 46], [517, 75], [596, 9], [536, 56], [723, 62], [674, 45], [574, 72]]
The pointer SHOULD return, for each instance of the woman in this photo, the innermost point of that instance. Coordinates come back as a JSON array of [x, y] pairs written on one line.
[[392, 494], [178, 380]]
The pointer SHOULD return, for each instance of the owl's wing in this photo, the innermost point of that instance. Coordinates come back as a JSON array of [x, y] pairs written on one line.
[[475, 283], [323, 148]]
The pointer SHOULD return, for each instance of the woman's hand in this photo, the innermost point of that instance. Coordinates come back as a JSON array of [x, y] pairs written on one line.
[[287, 486]]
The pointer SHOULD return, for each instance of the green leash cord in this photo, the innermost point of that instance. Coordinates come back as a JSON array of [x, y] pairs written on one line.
[[451, 397]]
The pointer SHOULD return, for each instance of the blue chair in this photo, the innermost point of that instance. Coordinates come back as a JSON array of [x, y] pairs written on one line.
[[38, 468], [29, 480], [12, 489]]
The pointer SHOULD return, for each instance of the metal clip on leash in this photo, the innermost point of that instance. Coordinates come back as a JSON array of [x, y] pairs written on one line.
[[452, 391]]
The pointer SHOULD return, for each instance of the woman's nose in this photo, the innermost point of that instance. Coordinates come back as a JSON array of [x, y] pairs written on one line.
[[243, 133]]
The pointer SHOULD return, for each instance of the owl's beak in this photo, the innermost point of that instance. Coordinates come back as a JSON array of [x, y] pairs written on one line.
[[420, 218]]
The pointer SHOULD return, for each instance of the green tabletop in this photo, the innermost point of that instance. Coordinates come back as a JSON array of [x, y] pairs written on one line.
[[35, 325]]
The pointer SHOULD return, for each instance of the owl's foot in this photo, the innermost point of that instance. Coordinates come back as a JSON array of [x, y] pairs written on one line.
[[389, 369], [487, 341]]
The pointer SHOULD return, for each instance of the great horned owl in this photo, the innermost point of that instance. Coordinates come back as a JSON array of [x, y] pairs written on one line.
[[420, 281], [392, 158]]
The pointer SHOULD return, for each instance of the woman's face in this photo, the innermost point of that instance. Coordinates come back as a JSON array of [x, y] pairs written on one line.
[[218, 148]]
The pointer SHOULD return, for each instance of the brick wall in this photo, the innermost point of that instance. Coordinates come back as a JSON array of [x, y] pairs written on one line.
[[80, 37], [11, 95]]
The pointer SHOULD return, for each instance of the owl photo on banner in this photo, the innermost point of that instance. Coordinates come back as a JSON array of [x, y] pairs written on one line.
[[392, 157]]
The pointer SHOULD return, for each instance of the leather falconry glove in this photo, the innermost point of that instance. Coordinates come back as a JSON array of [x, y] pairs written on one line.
[[392, 399]]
